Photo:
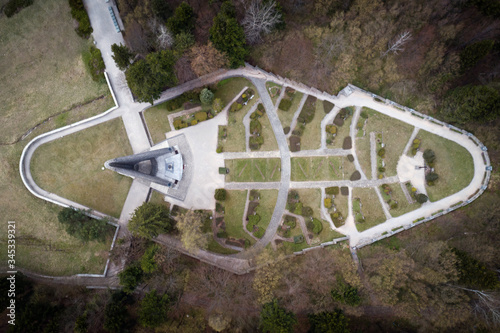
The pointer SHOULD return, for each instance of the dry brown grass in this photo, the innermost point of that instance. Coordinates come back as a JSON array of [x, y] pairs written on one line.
[[370, 207], [41, 67], [42, 244], [311, 138], [72, 167]]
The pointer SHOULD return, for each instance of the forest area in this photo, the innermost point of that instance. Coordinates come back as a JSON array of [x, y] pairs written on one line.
[[438, 57]]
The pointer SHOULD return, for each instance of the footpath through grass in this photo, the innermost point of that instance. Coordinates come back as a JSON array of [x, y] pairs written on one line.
[[41, 67], [233, 216], [43, 246], [454, 165], [253, 170], [369, 206], [72, 167], [393, 133]]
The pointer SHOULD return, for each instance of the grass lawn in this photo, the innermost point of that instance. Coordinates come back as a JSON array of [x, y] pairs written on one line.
[[453, 164], [253, 170], [41, 67], [403, 205], [287, 116], [236, 139], [268, 135], [233, 217], [228, 89], [157, 122], [42, 244], [328, 234], [71, 167], [311, 197], [321, 168], [215, 247], [342, 132], [395, 135], [158, 198], [311, 139], [274, 91], [267, 202], [370, 207]]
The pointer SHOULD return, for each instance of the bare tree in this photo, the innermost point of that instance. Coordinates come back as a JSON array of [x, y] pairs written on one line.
[[260, 18], [487, 305], [164, 38], [397, 45]]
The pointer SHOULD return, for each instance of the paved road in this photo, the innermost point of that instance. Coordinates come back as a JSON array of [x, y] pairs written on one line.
[[271, 110]]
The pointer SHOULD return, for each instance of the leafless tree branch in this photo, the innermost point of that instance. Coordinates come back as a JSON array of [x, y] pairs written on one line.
[[260, 18], [397, 45]]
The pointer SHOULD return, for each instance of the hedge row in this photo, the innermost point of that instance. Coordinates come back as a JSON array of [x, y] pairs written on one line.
[[79, 13], [14, 6]]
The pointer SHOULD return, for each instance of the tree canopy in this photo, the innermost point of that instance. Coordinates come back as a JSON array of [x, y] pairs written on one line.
[[228, 36], [275, 319], [81, 226], [121, 56], [149, 220], [471, 103], [148, 78], [153, 309], [183, 19], [328, 322]]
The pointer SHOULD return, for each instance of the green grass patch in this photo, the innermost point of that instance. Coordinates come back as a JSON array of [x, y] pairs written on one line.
[[233, 217], [43, 246], [311, 138], [370, 207], [321, 168], [453, 164], [287, 116], [215, 247], [267, 202], [42, 67], [394, 134], [268, 135], [236, 138], [274, 91], [157, 122], [253, 170], [72, 167], [158, 198], [228, 89]]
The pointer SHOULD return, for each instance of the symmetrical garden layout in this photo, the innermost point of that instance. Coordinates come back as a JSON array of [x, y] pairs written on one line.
[[301, 168]]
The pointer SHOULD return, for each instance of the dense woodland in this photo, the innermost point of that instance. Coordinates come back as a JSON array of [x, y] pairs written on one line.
[[439, 57]]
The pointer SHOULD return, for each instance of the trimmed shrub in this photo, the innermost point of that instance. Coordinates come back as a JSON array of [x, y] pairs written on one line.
[[200, 116], [347, 144], [327, 202], [286, 130], [328, 106], [421, 198], [355, 176], [219, 149], [222, 234], [364, 114], [290, 221], [254, 219], [259, 233], [344, 190], [381, 169], [218, 105], [315, 226], [220, 194], [206, 96], [285, 104], [261, 108], [250, 226], [193, 122], [381, 152], [307, 211], [332, 129], [255, 126], [332, 190], [308, 110], [294, 143], [350, 158], [429, 157], [235, 107], [96, 64], [431, 177], [79, 13]]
